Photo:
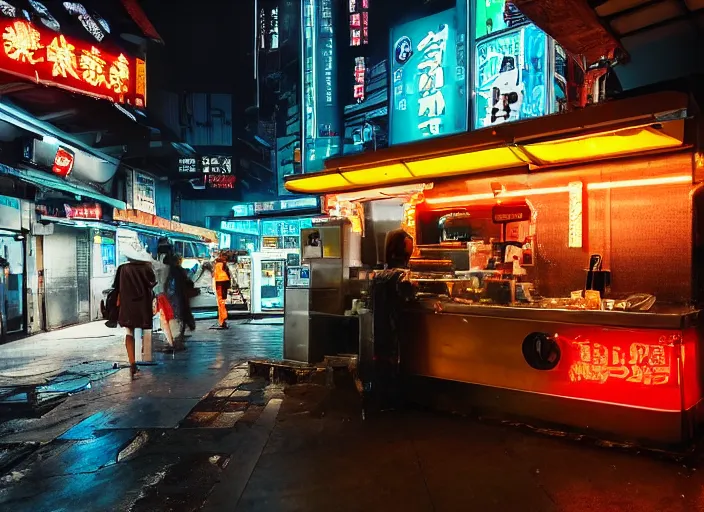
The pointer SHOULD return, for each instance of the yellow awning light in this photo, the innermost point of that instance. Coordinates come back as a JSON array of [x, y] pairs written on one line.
[[466, 163], [603, 145], [318, 183], [585, 148], [380, 174]]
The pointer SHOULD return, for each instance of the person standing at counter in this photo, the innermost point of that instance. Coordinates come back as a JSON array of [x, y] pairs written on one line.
[[399, 249]]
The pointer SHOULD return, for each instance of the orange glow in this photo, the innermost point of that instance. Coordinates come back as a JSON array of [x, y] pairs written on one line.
[[669, 180], [61, 53], [44, 57], [21, 41], [647, 182]]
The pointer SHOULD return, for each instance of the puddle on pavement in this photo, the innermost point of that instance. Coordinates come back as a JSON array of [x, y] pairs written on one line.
[[31, 401]]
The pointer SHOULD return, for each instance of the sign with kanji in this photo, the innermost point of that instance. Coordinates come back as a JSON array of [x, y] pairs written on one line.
[[217, 164], [48, 58], [646, 363]]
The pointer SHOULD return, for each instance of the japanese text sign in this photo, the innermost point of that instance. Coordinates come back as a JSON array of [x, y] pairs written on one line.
[[49, 58], [428, 79]]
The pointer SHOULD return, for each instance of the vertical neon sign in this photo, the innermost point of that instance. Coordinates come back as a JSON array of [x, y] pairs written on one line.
[[428, 96]]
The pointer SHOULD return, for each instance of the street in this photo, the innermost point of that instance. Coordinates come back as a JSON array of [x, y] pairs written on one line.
[[196, 433]]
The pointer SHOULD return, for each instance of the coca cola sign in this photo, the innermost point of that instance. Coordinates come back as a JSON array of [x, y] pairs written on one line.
[[63, 162]]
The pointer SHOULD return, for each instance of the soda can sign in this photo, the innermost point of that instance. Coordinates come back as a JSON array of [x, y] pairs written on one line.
[[63, 162]]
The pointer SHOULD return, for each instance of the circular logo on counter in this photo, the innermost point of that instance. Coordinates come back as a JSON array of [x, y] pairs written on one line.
[[403, 49]]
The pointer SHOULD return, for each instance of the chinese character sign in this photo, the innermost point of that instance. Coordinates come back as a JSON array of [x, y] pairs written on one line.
[[428, 79], [649, 363], [50, 59]]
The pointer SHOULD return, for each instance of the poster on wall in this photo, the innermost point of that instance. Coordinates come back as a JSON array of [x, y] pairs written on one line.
[[144, 193], [510, 79], [427, 79]]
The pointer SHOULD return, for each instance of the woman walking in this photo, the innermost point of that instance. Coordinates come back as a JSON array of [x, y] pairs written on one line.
[[221, 283], [134, 282]]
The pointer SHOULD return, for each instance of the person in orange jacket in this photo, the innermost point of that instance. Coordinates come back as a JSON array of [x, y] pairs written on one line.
[[222, 280]]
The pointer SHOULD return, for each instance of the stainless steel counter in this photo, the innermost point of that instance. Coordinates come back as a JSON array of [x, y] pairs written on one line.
[[660, 317]]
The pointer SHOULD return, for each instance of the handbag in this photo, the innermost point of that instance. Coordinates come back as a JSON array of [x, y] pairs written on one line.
[[110, 308]]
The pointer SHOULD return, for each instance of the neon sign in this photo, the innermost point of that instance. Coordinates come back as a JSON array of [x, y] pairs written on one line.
[[360, 71], [634, 363], [428, 93], [359, 22], [51, 59], [431, 104]]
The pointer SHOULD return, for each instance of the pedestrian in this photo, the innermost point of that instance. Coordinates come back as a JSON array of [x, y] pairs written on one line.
[[222, 279], [135, 282], [165, 252], [180, 289]]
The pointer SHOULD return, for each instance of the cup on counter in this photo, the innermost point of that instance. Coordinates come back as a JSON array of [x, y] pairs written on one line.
[[608, 304]]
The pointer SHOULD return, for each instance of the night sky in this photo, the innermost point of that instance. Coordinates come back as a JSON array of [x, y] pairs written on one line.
[[208, 45]]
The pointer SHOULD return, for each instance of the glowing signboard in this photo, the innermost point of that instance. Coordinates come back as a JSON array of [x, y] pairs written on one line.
[[428, 79], [187, 165], [637, 363], [359, 22], [360, 71], [220, 181], [51, 59], [511, 77]]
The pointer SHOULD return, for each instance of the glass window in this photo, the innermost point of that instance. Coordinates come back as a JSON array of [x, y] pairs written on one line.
[[202, 251], [189, 252]]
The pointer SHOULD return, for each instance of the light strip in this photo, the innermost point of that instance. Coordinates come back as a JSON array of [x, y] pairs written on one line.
[[647, 182], [670, 180]]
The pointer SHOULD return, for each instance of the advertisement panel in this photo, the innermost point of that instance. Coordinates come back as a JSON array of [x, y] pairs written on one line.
[[428, 90], [144, 194], [511, 75], [49, 58]]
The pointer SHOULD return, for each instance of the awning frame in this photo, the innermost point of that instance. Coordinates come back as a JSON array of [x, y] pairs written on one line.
[[646, 112]]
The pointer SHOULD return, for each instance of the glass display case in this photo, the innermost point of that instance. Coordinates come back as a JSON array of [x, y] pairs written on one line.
[[272, 285]]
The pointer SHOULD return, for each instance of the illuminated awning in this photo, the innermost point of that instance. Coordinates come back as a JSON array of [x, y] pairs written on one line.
[[615, 129]]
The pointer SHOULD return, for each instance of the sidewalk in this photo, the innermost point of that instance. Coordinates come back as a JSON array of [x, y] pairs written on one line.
[[195, 433], [181, 379]]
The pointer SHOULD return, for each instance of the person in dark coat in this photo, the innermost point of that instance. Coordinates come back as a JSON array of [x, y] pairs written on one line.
[[134, 282]]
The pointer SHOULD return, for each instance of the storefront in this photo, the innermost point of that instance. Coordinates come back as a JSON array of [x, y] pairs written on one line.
[[194, 244], [13, 264], [556, 277]]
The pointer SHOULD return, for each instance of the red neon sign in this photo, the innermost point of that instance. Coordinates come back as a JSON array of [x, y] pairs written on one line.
[[84, 211], [63, 162], [360, 71], [50, 59]]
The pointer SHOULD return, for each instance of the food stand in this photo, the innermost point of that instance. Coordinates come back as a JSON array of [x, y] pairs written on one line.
[[558, 265]]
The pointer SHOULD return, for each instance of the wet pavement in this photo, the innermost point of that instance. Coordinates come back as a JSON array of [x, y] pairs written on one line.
[[196, 433]]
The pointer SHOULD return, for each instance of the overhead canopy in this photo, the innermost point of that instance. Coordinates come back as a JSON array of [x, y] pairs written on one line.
[[46, 180], [595, 28], [631, 126]]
